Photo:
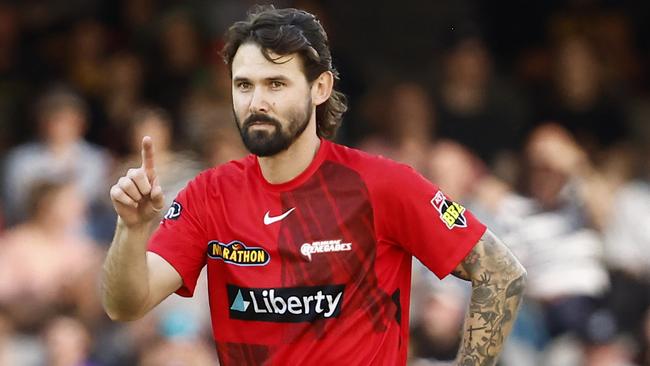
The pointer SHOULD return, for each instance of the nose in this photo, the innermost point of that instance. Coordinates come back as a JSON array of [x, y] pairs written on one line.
[[259, 103]]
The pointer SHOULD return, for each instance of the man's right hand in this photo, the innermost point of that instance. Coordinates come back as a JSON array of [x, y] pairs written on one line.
[[137, 196], [135, 280]]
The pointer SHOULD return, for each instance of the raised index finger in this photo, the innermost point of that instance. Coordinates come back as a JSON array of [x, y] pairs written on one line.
[[147, 158]]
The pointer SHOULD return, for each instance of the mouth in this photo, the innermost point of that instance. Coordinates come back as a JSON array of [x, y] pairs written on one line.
[[263, 124]]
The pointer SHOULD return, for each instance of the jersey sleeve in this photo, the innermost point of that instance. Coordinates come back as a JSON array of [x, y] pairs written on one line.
[[181, 239], [415, 214]]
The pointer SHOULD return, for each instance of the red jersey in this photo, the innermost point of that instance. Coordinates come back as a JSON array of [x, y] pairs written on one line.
[[317, 270]]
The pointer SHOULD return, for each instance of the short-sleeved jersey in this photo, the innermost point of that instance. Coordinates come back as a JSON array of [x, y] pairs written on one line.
[[317, 270]]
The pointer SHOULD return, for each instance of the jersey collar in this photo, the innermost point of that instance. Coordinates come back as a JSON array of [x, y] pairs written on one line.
[[300, 178]]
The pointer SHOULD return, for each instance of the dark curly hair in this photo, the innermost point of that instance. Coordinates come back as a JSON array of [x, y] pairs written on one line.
[[287, 31]]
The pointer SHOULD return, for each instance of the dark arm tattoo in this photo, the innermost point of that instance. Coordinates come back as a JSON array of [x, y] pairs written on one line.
[[498, 282]]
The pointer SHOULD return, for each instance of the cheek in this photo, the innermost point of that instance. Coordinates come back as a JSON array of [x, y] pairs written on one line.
[[240, 106], [289, 103], [240, 99]]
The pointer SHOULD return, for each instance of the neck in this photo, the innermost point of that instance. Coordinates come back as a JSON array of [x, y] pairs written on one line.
[[288, 164], [51, 227], [61, 148]]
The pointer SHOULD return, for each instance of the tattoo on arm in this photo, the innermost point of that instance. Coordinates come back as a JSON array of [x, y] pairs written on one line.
[[498, 282]]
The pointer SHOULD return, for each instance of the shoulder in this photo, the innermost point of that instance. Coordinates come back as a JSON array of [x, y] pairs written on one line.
[[375, 169], [633, 197], [90, 147], [388, 183], [228, 174], [92, 151], [25, 151], [635, 190]]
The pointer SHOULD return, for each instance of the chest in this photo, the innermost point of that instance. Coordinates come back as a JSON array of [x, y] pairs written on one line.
[[320, 233]]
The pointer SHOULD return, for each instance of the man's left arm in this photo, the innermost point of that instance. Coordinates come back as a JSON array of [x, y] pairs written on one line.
[[498, 281]]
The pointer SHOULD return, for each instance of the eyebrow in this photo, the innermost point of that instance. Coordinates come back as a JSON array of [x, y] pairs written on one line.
[[269, 78]]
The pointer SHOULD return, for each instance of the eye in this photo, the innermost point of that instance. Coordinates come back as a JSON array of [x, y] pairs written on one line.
[[244, 85], [277, 84]]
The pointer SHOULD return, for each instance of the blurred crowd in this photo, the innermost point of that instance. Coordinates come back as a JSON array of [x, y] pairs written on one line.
[[541, 131]]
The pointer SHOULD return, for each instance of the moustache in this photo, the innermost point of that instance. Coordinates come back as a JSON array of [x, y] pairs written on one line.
[[257, 118]]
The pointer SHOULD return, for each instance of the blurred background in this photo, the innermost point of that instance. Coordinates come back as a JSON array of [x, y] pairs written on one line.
[[535, 115]]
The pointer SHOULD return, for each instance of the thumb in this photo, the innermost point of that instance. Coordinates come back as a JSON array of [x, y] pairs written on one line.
[[157, 196]]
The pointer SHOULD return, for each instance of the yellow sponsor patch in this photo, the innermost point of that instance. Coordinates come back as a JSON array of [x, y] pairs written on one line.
[[451, 213], [238, 253]]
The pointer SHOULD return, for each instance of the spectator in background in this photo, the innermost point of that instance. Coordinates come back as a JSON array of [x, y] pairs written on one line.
[[47, 264], [85, 69], [551, 231], [158, 338], [627, 253], [138, 20], [404, 121], [16, 348], [611, 36], [122, 94], [61, 151], [467, 179], [67, 342], [6, 334], [474, 108], [208, 124], [221, 144], [456, 170], [550, 227], [178, 63], [86, 52], [173, 353], [437, 313], [125, 344], [580, 101]]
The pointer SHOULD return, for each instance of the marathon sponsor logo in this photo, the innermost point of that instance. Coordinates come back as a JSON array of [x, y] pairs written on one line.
[[451, 213], [238, 253], [285, 304], [326, 246]]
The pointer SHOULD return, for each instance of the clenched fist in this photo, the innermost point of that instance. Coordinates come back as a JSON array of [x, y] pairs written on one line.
[[137, 196]]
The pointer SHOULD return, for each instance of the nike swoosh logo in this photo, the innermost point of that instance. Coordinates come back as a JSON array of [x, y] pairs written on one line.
[[268, 220]]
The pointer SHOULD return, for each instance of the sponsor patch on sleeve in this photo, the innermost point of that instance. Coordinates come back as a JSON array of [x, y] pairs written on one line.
[[174, 211], [451, 213]]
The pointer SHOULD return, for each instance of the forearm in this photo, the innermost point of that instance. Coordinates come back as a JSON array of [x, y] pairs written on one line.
[[489, 320], [125, 279], [498, 282]]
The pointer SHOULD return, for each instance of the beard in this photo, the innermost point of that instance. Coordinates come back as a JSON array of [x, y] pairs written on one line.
[[266, 143]]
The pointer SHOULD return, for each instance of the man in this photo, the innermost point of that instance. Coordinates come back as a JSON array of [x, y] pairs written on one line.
[[308, 244], [61, 151]]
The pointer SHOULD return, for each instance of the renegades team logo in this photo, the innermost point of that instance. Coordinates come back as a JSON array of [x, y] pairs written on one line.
[[238, 253], [324, 246], [451, 213]]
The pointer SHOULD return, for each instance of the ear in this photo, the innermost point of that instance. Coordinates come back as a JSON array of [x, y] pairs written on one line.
[[321, 88]]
